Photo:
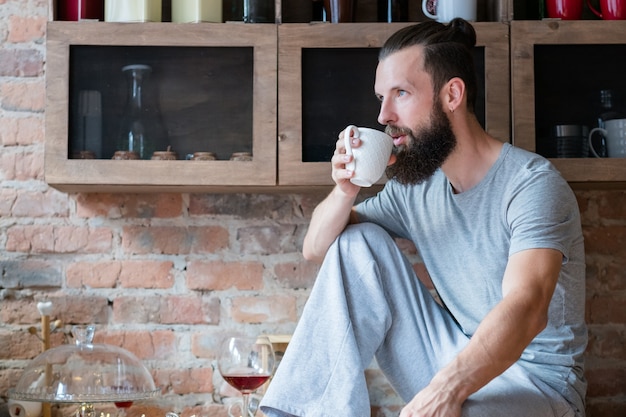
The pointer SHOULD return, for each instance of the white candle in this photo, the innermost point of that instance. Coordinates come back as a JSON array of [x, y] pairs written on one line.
[[132, 11], [186, 11]]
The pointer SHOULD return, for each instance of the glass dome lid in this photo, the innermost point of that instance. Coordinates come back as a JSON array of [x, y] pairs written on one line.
[[85, 373]]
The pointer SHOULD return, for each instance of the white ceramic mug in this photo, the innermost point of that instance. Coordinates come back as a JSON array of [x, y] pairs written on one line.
[[371, 158], [446, 10], [614, 133]]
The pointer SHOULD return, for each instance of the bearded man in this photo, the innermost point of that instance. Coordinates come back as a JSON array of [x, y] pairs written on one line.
[[499, 232]]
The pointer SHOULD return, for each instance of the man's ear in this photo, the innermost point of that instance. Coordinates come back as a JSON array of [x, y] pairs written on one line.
[[454, 91]]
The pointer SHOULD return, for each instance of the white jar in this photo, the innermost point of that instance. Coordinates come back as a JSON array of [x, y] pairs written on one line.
[[194, 11], [132, 11]]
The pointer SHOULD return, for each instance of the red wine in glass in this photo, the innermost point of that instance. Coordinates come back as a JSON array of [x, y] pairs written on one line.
[[246, 383]]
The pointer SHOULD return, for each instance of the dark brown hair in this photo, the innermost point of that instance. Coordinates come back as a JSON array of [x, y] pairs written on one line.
[[447, 52]]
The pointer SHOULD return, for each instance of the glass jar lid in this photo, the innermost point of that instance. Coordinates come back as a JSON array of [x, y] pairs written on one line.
[[83, 373]]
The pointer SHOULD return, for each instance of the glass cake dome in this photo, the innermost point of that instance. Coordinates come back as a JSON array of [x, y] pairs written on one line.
[[85, 373]]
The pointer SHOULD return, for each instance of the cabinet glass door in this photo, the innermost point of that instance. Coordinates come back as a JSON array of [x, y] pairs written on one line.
[[326, 81], [187, 100], [560, 70]]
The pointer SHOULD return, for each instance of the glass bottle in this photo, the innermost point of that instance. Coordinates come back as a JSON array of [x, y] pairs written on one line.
[[254, 11], [393, 11], [142, 130]]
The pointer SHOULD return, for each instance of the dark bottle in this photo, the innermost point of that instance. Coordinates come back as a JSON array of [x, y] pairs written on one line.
[[254, 11], [393, 11]]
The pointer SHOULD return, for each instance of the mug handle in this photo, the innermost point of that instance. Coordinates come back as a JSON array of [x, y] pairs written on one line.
[[595, 129], [597, 13], [346, 141], [425, 10]]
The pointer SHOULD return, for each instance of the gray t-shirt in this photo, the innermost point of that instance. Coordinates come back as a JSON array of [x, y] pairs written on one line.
[[465, 241]]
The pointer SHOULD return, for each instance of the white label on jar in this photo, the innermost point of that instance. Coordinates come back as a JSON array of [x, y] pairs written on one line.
[[132, 11], [186, 11]]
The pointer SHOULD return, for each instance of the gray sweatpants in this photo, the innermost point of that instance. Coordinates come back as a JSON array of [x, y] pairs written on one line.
[[368, 302]]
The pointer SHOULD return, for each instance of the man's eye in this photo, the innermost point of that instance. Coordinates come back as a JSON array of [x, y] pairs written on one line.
[[401, 93]]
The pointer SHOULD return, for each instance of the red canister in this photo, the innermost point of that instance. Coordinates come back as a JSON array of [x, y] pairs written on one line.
[[75, 10]]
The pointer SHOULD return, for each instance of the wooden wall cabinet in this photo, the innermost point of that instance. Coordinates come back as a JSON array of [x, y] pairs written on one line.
[[326, 80], [218, 83], [558, 69], [306, 81]]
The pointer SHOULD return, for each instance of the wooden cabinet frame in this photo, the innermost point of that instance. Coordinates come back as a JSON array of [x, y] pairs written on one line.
[[524, 36], [146, 175], [293, 38]]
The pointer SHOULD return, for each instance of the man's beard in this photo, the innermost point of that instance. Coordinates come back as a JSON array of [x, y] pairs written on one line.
[[426, 150]]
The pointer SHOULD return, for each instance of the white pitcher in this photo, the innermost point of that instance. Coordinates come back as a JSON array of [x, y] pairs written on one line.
[[446, 10]]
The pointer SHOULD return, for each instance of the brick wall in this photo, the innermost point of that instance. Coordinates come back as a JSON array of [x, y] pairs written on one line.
[[167, 275]]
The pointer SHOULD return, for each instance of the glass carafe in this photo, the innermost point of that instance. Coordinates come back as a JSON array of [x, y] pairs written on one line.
[[142, 129]]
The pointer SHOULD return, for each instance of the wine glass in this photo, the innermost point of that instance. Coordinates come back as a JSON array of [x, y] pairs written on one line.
[[246, 363]]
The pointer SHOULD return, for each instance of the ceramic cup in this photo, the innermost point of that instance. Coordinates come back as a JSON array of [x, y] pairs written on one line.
[[371, 158], [610, 9], [446, 10], [564, 9], [614, 133]]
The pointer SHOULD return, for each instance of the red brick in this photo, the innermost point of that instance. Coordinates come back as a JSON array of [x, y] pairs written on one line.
[[174, 240], [218, 275], [62, 239], [130, 309], [269, 240], [206, 345], [22, 165], [251, 205], [157, 344], [21, 131], [276, 309], [129, 205], [23, 96], [8, 379], [606, 408], [606, 382], [606, 342], [31, 273], [296, 275], [182, 310], [611, 205], [19, 311], [19, 345], [606, 240], [20, 63], [147, 274], [79, 309], [93, 274], [26, 29], [50, 203], [185, 381], [7, 199], [606, 309]]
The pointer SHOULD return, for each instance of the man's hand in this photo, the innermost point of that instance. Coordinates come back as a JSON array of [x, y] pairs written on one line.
[[433, 401], [340, 174]]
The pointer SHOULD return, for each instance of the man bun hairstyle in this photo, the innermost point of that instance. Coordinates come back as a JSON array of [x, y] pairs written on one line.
[[448, 52]]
